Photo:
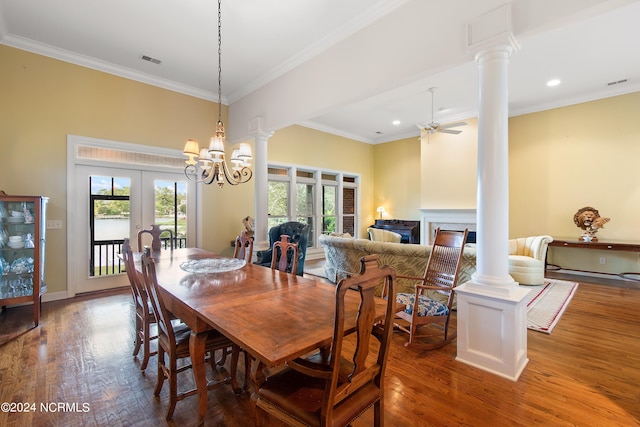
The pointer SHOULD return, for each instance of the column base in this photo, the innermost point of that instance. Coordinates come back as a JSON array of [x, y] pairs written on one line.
[[492, 329]]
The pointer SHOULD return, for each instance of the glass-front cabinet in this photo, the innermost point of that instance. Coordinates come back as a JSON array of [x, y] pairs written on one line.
[[22, 249]]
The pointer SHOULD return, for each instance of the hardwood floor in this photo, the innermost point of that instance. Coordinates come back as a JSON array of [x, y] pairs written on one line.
[[586, 373]]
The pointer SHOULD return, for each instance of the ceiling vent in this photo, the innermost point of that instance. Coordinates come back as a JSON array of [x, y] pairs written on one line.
[[150, 59], [617, 82]]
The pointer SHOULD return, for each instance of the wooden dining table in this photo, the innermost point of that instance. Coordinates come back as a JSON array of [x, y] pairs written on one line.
[[274, 316]]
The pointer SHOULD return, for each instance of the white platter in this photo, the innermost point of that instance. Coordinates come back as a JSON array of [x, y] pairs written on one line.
[[213, 265]]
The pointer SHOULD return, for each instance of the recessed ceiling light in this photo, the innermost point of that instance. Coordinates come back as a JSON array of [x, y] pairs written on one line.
[[396, 122], [553, 82]]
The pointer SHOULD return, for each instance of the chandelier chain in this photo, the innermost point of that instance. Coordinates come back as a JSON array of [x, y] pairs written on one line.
[[219, 60], [209, 165]]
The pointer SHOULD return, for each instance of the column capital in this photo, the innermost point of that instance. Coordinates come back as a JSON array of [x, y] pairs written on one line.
[[257, 131], [492, 31]]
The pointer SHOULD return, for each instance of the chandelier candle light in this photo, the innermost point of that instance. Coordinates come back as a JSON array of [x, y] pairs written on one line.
[[209, 165]]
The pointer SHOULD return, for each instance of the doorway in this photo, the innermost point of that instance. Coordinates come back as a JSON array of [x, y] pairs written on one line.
[[112, 202]]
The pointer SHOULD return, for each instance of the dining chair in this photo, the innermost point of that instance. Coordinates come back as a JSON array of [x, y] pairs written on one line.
[[144, 312], [338, 383], [428, 317], [156, 242], [173, 341], [284, 256], [243, 248]]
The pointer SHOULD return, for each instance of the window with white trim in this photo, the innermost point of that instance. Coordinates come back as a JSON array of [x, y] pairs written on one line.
[[327, 200]]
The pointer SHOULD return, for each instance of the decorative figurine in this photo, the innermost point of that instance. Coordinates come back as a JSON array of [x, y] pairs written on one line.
[[589, 220], [248, 225], [28, 218]]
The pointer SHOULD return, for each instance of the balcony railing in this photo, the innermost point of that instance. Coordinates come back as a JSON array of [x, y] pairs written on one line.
[[105, 260]]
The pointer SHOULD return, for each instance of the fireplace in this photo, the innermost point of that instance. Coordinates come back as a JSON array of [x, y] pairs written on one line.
[[446, 219]]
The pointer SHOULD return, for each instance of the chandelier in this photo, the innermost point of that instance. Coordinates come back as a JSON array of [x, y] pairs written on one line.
[[208, 165]]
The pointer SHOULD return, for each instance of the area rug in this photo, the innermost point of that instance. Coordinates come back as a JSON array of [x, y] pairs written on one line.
[[546, 303], [319, 271]]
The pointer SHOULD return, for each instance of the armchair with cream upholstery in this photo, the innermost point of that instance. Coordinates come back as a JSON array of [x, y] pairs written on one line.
[[527, 259], [380, 235]]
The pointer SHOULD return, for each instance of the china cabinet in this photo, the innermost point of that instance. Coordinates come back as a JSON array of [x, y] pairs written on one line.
[[22, 251]]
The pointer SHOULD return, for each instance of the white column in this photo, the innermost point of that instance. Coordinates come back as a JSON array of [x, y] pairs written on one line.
[[492, 257], [492, 323], [261, 186]]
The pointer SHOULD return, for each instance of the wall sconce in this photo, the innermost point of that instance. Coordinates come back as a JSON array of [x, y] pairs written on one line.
[[381, 210]]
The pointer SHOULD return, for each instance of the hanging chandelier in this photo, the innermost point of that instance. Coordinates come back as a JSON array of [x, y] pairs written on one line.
[[208, 165]]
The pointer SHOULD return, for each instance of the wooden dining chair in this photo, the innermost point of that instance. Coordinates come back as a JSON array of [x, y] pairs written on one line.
[[428, 317], [284, 256], [144, 317], [243, 248], [335, 386], [173, 342], [156, 241]]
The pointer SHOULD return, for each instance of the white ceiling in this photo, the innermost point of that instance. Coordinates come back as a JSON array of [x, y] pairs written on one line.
[[264, 39]]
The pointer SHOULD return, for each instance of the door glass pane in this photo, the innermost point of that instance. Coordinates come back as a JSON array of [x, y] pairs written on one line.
[[109, 222], [171, 209]]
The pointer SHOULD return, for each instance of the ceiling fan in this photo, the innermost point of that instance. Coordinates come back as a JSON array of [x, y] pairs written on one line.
[[433, 127]]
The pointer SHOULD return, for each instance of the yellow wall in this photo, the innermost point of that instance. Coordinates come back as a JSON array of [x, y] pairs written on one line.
[[397, 179], [560, 160], [308, 147], [449, 169], [42, 100], [582, 155]]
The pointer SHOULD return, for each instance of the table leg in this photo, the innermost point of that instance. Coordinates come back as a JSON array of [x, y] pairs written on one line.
[[197, 343]]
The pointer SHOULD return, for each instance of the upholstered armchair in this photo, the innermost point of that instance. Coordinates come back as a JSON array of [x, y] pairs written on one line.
[[380, 235], [298, 233], [527, 259]]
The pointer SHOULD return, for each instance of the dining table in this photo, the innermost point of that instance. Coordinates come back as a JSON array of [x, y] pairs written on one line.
[[274, 316]]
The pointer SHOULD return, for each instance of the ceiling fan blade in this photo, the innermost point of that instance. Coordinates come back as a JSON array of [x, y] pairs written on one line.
[[453, 125], [454, 132]]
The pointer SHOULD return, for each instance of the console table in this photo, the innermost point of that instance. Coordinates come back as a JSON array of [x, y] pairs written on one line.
[[611, 245]]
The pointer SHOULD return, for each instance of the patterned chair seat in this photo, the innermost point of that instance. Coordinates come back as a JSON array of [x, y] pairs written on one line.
[[426, 306]]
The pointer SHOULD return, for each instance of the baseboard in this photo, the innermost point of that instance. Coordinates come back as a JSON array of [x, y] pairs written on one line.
[[54, 296], [592, 277]]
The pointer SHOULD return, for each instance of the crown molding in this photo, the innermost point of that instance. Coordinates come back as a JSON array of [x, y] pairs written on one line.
[[106, 67]]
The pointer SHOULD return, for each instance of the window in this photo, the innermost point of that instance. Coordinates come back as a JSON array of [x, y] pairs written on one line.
[[326, 200]]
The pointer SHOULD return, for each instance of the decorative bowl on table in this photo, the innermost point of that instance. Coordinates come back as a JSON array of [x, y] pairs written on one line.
[[212, 265]]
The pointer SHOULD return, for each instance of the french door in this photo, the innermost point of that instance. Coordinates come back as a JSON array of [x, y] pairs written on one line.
[[113, 203]]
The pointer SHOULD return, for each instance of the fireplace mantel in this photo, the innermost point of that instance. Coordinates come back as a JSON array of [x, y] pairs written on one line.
[[447, 219]]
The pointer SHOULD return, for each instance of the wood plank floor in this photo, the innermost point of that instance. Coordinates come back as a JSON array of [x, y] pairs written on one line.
[[586, 373]]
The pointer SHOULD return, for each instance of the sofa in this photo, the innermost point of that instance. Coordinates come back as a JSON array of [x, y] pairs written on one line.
[[342, 258], [343, 253]]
